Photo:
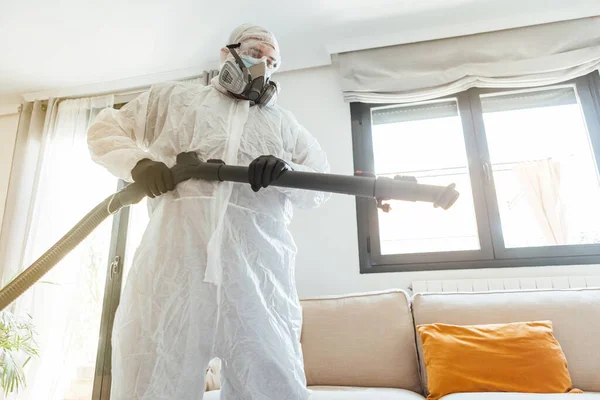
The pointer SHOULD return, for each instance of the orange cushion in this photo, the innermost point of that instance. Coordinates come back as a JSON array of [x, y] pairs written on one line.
[[519, 357]]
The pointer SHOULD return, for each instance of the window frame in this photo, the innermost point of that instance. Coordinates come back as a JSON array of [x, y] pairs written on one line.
[[112, 297], [493, 253]]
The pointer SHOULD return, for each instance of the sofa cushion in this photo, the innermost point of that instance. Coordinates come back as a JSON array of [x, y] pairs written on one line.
[[348, 393], [520, 396], [515, 357], [574, 315], [365, 340]]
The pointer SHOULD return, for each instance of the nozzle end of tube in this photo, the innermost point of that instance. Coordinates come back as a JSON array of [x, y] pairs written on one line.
[[447, 197]]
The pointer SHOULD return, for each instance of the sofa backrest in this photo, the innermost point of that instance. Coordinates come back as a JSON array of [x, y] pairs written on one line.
[[575, 316], [360, 340]]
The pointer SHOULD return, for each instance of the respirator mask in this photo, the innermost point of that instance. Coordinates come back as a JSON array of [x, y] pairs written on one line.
[[248, 78]]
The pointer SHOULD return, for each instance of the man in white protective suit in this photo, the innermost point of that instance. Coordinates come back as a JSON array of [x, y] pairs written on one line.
[[214, 273]]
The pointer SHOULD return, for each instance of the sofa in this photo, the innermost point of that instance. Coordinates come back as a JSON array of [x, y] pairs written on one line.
[[365, 347]]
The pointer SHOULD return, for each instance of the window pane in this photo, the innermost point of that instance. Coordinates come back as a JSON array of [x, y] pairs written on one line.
[[544, 169], [425, 141]]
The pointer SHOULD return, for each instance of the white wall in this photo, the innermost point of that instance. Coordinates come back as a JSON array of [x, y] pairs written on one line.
[[327, 261], [8, 133]]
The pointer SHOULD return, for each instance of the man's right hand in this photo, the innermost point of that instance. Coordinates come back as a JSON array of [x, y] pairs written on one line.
[[155, 177]]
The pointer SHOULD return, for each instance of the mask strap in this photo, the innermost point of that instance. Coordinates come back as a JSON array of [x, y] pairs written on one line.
[[235, 55]]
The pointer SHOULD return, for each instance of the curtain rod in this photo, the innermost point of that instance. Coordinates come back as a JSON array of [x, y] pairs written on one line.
[[123, 97], [125, 85]]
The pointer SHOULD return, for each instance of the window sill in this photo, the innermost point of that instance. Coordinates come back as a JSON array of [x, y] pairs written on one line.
[[367, 268]]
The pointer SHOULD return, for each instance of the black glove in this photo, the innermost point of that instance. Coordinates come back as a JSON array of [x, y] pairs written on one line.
[[155, 177], [264, 170]]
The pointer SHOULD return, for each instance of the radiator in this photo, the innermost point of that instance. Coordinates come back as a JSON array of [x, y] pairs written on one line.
[[489, 285]]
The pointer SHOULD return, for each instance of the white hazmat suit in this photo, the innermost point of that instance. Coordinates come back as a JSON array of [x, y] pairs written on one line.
[[214, 273]]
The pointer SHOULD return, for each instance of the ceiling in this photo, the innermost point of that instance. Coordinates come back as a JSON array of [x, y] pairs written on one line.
[[64, 46]]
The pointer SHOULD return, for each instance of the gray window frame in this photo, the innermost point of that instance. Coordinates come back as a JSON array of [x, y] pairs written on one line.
[[493, 253], [112, 297]]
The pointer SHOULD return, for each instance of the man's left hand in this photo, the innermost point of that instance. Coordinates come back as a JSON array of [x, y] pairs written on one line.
[[264, 170]]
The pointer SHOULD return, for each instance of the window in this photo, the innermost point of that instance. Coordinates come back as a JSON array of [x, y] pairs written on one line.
[[525, 161]]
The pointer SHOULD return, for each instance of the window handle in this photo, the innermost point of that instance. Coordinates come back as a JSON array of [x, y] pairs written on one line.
[[115, 267], [487, 170]]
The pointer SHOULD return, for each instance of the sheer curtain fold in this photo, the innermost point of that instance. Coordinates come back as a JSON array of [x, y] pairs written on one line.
[[523, 57]]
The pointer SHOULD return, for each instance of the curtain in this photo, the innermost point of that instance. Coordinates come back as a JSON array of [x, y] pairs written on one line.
[[34, 120], [61, 185], [524, 57], [541, 186]]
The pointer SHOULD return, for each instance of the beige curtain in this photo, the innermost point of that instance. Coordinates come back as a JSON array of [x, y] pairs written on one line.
[[524, 57], [34, 122], [205, 78]]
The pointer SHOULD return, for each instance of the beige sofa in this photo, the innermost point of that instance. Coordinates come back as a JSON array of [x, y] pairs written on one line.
[[364, 347]]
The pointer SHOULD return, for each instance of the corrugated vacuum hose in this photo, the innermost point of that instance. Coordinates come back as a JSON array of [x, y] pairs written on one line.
[[190, 167]]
